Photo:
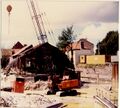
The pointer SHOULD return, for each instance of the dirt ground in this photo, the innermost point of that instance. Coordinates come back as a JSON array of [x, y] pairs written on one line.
[[83, 100], [85, 97]]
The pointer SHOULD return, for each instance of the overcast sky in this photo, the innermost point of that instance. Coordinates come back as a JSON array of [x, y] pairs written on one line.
[[90, 19]]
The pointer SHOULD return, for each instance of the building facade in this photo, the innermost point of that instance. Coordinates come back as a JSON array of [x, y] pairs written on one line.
[[81, 47]]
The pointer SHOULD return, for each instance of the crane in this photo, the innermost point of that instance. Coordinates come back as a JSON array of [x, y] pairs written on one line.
[[65, 86], [37, 21]]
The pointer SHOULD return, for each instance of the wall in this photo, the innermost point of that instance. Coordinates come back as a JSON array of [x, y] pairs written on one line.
[[87, 49], [114, 58], [95, 59], [87, 44], [77, 53], [115, 77]]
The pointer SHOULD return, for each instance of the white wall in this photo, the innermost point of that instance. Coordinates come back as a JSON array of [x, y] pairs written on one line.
[[114, 58], [77, 53]]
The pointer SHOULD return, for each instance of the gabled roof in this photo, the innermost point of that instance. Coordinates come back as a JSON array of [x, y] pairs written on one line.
[[77, 46], [83, 39], [18, 45]]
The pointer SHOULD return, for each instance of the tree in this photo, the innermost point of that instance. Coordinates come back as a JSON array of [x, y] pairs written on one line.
[[109, 45], [66, 39]]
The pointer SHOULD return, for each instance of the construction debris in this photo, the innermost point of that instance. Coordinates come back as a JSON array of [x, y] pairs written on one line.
[[11, 99], [39, 85]]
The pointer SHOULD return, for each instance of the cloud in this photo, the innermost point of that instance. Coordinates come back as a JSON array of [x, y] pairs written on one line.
[[96, 33], [84, 16], [77, 12], [108, 12]]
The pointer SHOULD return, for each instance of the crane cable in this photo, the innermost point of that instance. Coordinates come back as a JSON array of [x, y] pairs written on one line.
[[47, 27], [8, 23], [37, 22], [50, 30], [43, 19], [32, 20], [42, 22]]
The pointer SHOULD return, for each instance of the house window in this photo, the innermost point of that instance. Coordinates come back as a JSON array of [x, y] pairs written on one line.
[[82, 45], [28, 63], [82, 57]]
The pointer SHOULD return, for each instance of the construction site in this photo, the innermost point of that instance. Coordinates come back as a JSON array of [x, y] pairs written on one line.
[[42, 76]]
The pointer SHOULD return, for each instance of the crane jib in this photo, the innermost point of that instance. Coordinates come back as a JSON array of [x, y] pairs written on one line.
[[37, 21]]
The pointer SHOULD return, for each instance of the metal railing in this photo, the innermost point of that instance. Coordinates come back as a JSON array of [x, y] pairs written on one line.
[[108, 98]]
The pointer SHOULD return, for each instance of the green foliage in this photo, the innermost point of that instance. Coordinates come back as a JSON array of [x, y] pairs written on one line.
[[65, 38], [109, 45]]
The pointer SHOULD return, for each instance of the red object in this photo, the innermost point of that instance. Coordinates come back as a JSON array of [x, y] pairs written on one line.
[[68, 84], [18, 85], [9, 8]]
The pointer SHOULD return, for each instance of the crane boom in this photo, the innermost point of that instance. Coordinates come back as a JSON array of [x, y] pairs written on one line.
[[37, 21]]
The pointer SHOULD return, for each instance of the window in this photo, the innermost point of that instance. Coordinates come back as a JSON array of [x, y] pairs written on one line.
[[82, 45]]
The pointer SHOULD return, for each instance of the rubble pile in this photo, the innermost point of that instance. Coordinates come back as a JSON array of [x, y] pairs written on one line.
[[10, 99], [25, 100], [8, 82], [3, 103], [39, 85]]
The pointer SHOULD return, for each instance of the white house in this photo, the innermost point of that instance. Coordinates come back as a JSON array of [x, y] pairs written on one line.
[[81, 47]]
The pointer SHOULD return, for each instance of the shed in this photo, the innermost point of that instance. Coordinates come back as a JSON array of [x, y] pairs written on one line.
[[42, 59]]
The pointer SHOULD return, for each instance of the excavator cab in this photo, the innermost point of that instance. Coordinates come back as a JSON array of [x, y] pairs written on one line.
[[64, 85]]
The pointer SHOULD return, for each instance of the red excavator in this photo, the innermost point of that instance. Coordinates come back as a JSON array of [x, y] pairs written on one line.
[[64, 86]]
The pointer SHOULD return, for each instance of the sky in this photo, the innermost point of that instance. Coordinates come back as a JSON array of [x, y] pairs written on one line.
[[90, 19]]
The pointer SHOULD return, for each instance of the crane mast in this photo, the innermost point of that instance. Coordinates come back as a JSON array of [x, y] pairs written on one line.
[[37, 21]]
